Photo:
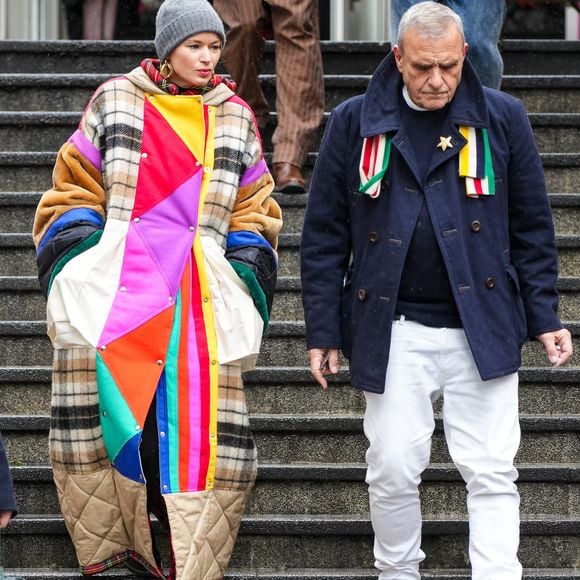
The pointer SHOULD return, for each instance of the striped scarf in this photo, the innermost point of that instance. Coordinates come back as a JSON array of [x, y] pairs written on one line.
[[151, 67], [475, 163]]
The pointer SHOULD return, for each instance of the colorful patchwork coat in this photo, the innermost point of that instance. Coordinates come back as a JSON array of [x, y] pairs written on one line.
[[156, 248]]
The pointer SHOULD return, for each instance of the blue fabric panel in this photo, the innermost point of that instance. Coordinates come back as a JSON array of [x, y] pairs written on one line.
[[127, 460], [161, 400], [246, 238], [82, 214]]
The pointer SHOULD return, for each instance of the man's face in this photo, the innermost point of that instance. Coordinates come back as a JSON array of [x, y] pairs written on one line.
[[431, 67]]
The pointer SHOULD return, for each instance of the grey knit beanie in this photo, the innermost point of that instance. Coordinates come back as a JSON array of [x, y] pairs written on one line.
[[179, 19]]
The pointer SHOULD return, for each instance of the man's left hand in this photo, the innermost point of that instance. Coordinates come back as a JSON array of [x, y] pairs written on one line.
[[558, 346]]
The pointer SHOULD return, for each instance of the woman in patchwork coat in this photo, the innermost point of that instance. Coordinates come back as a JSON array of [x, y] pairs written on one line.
[[157, 253]]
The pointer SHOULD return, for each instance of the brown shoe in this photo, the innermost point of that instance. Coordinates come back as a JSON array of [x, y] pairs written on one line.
[[288, 178]]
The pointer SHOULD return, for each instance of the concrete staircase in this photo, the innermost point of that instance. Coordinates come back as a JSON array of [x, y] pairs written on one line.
[[308, 517]]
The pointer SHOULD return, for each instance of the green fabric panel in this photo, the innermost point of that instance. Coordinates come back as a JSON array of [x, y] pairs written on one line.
[[87, 243], [117, 421], [171, 388], [250, 280]]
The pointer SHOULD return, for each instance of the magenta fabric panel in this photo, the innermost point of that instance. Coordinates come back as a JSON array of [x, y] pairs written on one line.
[[86, 149], [142, 293], [254, 172], [172, 221]]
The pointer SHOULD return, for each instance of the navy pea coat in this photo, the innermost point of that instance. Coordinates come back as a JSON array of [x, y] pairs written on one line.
[[499, 250], [7, 499]]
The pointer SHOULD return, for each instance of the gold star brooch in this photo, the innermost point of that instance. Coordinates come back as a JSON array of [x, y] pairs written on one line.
[[445, 142]]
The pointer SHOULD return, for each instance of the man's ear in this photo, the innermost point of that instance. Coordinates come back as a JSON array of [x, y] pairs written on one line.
[[398, 56], [465, 49]]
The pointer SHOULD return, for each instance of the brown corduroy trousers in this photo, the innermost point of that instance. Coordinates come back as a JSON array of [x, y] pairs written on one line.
[[299, 77]]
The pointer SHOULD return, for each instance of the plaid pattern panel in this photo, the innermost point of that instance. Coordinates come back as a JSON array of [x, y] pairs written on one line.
[[236, 453], [76, 439], [114, 124], [236, 148]]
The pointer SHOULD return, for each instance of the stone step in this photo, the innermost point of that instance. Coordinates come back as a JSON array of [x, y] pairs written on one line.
[[17, 211], [548, 93], [18, 256], [521, 57], [294, 574], [310, 541], [290, 439], [24, 343], [287, 390], [319, 489], [33, 171], [21, 299], [48, 130]]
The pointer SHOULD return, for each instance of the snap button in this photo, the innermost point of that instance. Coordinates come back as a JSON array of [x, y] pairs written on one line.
[[475, 226], [373, 237], [362, 294], [490, 283]]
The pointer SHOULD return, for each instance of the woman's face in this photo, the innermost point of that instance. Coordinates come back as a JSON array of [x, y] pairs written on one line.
[[195, 59]]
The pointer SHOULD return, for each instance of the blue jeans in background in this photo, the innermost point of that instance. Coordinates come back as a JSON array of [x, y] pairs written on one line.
[[482, 22]]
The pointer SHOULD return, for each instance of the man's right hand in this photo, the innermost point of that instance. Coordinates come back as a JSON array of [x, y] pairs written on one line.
[[324, 361]]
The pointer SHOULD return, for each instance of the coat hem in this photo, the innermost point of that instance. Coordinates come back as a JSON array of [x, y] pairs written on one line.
[[118, 559]]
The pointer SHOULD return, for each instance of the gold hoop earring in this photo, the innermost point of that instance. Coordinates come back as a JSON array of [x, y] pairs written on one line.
[[166, 70]]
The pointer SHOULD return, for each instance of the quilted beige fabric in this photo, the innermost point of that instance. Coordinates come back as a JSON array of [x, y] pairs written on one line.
[[204, 527], [122, 522]]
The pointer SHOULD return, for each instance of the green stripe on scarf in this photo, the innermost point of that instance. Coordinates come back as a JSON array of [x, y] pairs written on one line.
[[488, 169]]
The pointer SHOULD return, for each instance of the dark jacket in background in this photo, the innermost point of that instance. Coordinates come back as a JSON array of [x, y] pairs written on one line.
[[7, 499]]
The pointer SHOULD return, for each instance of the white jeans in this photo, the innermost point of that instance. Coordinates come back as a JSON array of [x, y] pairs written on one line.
[[482, 431]]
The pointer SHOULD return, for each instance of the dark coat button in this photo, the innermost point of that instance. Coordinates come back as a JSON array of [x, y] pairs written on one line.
[[373, 237], [362, 294], [475, 226], [490, 283]]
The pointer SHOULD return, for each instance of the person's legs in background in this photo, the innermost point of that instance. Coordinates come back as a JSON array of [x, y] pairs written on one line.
[[242, 55], [99, 19], [398, 8], [482, 22], [299, 88]]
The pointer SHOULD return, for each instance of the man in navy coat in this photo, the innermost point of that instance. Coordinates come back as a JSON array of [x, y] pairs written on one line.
[[429, 257]]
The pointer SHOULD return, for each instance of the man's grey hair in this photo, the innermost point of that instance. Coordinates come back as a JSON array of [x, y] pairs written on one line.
[[429, 19]]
